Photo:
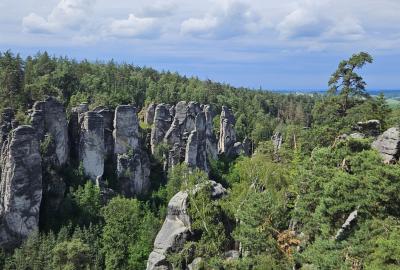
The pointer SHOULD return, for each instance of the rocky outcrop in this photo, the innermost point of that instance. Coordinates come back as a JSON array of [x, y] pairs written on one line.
[[149, 114], [108, 120], [74, 125], [126, 129], [91, 147], [211, 139], [49, 117], [277, 139], [388, 145], [133, 165], [346, 226], [162, 122], [196, 148], [21, 186], [370, 128], [7, 117], [227, 134], [176, 229]]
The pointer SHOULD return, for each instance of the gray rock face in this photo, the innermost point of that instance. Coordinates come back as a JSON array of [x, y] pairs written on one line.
[[370, 128], [351, 219], [196, 148], [133, 173], [149, 115], [277, 141], [388, 145], [133, 165], [55, 122], [108, 119], [162, 122], [74, 125], [21, 186], [7, 117], [91, 149], [176, 229], [211, 139], [126, 129], [227, 134]]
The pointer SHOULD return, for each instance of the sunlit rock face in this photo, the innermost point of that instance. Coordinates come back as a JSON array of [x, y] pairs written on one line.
[[21, 186], [227, 134], [388, 145], [176, 229], [162, 122], [133, 165], [91, 147]]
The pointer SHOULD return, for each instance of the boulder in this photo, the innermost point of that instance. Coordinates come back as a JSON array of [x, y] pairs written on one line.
[[20, 187], [91, 147], [126, 129], [227, 134], [176, 229], [370, 128], [149, 115], [388, 145], [162, 122]]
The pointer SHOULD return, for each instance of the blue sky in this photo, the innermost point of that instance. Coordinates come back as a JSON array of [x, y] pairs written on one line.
[[289, 44]]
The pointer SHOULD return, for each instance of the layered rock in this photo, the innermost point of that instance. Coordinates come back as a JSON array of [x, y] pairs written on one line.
[[133, 165], [162, 122], [227, 134], [388, 145], [149, 114], [176, 229], [21, 186], [91, 147]]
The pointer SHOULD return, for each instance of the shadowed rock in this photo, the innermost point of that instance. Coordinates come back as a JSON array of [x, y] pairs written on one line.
[[162, 122], [149, 115], [21, 186], [108, 119], [227, 134]]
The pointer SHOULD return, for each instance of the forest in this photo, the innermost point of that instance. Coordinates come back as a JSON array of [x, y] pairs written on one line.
[[323, 199]]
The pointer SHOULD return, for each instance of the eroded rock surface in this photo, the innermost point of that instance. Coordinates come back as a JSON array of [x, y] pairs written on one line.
[[196, 148], [149, 115], [126, 129], [227, 134], [162, 122], [176, 228], [388, 145], [91, 149], [21, 186]]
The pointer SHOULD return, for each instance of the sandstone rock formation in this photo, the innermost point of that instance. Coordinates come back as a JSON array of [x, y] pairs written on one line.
[[133, 165], [49, 117], [126, 129], [149, 115], [388, 145], [108, 120], [74, 126], [211, 139], [21, 186], [7, 117], [370, 128], [91, 147], [176, 228], [227, 134], [162, 122], [196, 148]]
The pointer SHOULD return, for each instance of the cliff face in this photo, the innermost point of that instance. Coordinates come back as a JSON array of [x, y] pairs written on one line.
[[21, 186], [94, 138]]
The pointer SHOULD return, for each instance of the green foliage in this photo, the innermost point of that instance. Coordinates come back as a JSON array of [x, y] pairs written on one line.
[[128, 233], [72, 255]]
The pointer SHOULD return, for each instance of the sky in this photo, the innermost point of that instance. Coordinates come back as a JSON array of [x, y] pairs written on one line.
[[276, 45]]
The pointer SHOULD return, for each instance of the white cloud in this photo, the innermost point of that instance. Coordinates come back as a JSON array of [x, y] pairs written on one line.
[[134, 27], [67, 15], [230, 19], [158, 9]]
